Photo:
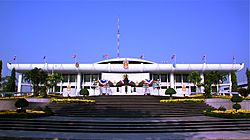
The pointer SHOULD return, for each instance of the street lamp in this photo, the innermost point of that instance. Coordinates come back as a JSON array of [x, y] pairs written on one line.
[[158, 86], [94, 85], [146, 88]]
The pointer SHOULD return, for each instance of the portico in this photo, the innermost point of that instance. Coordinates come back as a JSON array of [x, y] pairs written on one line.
[[78, 76]]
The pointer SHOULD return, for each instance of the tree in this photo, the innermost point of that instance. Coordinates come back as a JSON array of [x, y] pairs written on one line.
[[234, 81], [236, 99], [248, 79], [37, 77], [212, 77], [194, 78], [53, 79], [84, 92], [20, 104], [243, 92], [1, 63], [170, 91], [9, 82]]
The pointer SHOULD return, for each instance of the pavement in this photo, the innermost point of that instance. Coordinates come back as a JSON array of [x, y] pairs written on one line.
[[36, 135], [9, 134]]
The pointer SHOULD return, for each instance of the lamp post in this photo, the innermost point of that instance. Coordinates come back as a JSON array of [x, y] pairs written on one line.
[[146, 88], [158, 86], [94, 85]]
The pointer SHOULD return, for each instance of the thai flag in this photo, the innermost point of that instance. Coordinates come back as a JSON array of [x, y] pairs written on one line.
[[106, 56], [103, 82]]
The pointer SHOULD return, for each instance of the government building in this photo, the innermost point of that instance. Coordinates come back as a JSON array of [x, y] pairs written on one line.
[[107, 77]]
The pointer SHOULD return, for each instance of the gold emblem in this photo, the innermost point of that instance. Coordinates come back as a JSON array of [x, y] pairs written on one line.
[[125, 64], [77, 65]]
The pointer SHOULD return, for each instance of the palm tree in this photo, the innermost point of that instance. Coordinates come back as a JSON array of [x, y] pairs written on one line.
[[213, 77], [53, 79], [195, 78], [37, 77]]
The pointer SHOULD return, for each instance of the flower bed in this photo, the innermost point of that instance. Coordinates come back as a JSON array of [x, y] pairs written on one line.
[[28, 114], [183, 101], [68, 100], [232, 114]]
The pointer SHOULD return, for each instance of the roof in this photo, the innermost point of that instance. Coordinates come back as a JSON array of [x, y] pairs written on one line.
[[121, 60]]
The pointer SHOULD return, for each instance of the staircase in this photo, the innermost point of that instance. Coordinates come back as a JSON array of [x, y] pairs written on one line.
[[123, 126], [129, 107], [126, 114]]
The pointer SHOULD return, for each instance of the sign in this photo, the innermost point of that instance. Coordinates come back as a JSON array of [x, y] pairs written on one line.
[[125, 64], [184, 87], [77, 64]]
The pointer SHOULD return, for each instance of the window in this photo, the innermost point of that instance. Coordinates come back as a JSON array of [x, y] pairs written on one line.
[[193, 89], [185, 78], [164, 77], [72, 78], [155, 77], [86, 77], [57, 89], [65, 77], [178, 78], [95, 77], [164, 87], [214, 89]]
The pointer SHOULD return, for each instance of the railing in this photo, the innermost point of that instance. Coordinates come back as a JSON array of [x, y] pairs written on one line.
[[11, 94]]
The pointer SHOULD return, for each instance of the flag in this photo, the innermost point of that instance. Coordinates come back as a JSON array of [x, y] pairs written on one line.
[[142, 56], [74, 56], [234, 60], [204, 59], [174, 60], [44, 57], [106, 56], [14, 58], [173, 57]]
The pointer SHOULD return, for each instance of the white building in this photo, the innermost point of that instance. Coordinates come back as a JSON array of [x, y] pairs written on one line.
[[78, 76]]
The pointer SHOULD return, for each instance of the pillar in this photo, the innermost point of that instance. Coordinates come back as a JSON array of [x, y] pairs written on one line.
[[172, 80], [19, 86], [78, 84], [61, 89], [230, 82], [202, 81]]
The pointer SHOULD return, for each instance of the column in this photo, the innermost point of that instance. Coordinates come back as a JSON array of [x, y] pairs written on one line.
[[19, 86], [172, 80], [230, 82], [78, 84], [202, 81], [61, 89]]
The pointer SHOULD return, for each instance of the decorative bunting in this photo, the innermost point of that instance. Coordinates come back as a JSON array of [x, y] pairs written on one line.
[[149, 82], [103, 82]]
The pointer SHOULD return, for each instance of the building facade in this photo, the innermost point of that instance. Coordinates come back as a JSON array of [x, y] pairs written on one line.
[[95, 76]]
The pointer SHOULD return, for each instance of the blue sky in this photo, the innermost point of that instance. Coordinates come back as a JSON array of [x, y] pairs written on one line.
[[158, 29]]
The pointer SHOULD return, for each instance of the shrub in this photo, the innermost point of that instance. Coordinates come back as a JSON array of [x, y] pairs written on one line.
[[243, 92], [222, 108], [236, 106], [48, 110], [21, 104], [170, 91], [84, 92], [236, 98]]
